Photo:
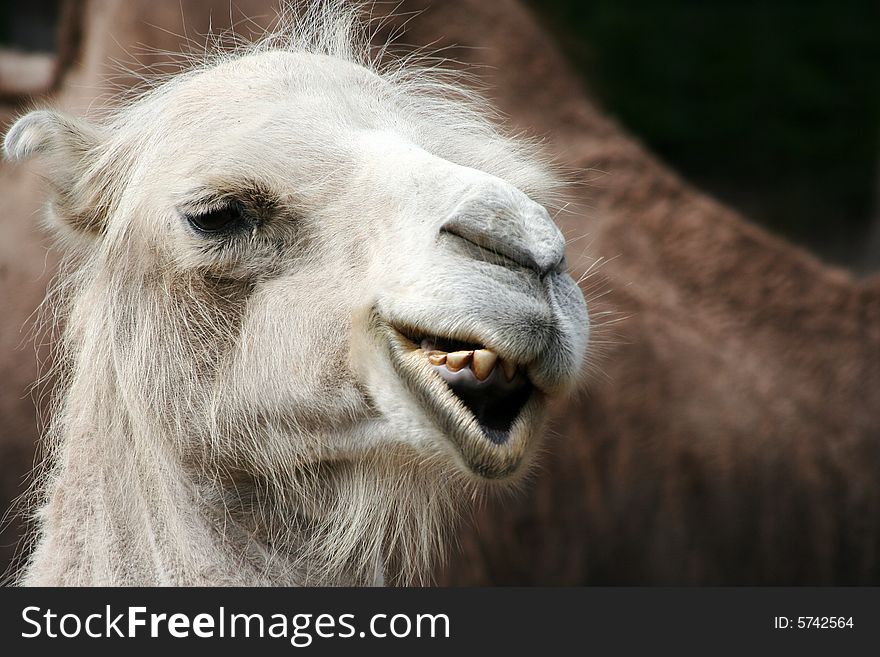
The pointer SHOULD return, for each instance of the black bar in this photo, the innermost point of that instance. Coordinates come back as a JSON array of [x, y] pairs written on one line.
[[706, 621]]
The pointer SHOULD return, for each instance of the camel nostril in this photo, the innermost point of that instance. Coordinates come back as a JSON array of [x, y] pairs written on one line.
[[561, 267], [509, 224], [512, 257]]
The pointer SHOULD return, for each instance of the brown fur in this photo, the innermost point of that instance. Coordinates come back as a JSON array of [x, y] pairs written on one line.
[[732, 434]]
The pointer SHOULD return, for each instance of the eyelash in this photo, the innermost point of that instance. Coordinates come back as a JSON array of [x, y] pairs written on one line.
[[223, 220]]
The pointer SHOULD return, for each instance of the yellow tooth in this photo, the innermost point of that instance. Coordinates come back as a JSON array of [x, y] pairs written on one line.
[[509, 369], [437, 357], [458, 359], [483, 363]]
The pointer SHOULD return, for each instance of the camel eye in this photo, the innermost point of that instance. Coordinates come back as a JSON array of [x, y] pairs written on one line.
[[220, 220]]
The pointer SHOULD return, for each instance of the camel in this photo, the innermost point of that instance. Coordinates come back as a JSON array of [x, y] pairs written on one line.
[[728, 434], [313, 304]]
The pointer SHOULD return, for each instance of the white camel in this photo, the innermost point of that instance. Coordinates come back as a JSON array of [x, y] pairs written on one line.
[[313, 305]]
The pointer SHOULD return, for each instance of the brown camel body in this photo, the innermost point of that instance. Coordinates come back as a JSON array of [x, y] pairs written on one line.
[[728, 432]]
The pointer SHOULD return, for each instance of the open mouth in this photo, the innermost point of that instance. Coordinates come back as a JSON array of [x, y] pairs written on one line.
[[485, 404], [494, 390]]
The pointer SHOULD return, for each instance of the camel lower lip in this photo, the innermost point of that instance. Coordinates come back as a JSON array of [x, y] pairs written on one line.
[[490, 417]]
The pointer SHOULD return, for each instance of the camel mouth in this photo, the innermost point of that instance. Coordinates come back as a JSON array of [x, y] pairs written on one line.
[[493, 389], [484, 403]]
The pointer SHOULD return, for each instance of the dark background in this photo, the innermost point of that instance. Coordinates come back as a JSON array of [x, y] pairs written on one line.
[[773, 107]]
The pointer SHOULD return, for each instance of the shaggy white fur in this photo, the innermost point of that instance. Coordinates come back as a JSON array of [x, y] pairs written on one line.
[[256, 246]]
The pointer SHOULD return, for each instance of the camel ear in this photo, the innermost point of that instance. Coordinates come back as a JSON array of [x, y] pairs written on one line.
[[68, 146]]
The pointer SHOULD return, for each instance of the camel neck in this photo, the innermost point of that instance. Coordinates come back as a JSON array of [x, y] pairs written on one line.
[[121, 511]]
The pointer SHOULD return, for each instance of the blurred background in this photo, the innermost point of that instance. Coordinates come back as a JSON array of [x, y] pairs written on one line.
[[773, 106]]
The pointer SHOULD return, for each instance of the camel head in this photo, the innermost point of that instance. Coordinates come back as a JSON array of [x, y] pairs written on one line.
[[288, 257]]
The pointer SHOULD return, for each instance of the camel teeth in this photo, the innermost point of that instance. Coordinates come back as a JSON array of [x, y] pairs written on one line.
[[509, 369], [458, 360], [483, 363], [437, 357]]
